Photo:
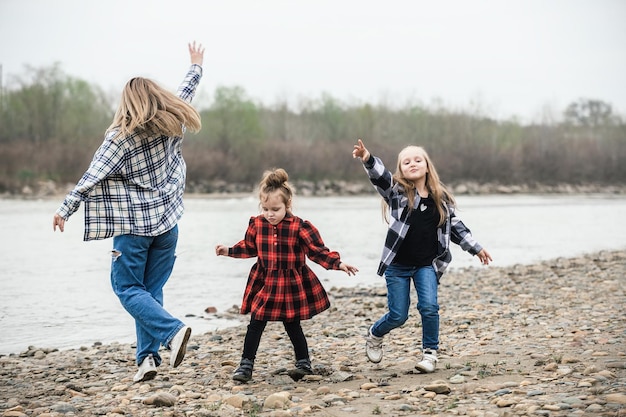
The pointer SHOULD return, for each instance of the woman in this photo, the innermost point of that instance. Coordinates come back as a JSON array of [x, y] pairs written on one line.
[[133, 192]]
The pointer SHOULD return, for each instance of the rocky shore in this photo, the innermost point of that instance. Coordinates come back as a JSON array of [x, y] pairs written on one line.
[[328, 188], [528, 340]]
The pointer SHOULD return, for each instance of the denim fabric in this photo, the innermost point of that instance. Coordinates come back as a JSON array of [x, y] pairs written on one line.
[[399, 299], [140, 267]]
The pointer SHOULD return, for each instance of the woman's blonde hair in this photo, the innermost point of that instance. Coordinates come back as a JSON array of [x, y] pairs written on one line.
[[146, 106], [437, 190], [276, 180]]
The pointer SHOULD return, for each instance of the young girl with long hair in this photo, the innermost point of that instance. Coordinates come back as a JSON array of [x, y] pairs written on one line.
[[420, 212]]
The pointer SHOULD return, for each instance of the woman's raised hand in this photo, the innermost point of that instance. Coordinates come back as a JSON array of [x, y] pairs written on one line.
[[196, 52]]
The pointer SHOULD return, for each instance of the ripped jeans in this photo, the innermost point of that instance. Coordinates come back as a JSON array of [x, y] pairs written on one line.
[[140, 267]]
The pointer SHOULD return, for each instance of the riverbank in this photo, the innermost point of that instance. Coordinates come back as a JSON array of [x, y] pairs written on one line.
[[329, 188], [547, 339]]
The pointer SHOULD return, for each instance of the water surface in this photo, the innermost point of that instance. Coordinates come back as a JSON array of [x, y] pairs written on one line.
[[55, 290]]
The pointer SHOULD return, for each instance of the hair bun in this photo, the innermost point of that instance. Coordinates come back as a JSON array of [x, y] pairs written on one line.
[[276, 178]]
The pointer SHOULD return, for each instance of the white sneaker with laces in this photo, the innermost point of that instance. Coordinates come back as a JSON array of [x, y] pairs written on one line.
[[147, 370], [178, 346], [428, 363], [373, 347]]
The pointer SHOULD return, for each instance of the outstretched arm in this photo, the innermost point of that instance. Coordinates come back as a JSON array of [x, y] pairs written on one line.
[[380, 177], [107, 161], [187, 88]]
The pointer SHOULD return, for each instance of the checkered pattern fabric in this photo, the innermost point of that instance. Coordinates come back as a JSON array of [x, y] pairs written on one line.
[[134, 184], [452, 230], [281, 286]]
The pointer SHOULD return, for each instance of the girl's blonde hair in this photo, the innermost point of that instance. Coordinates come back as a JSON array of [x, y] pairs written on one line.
[[276, 180], [437, 190], [146, 106]]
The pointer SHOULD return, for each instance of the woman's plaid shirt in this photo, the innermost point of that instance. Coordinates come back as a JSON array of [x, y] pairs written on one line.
[[281, 286], [135, 184], [452, 229]]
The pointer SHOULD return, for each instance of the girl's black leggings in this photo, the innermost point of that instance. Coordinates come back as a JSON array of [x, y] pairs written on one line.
[[255, 331]]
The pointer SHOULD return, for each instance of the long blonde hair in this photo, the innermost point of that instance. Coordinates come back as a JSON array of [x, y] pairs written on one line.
[[276, 180], [146, 106], [437, 190]]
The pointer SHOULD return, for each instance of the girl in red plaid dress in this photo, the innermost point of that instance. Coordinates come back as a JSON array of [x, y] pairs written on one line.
[[281, 286]]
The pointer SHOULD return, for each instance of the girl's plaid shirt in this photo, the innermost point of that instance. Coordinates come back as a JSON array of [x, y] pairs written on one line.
[[134, 184], [452, 229]]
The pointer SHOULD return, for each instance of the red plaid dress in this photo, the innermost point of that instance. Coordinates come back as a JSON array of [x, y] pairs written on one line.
[[281, 287]]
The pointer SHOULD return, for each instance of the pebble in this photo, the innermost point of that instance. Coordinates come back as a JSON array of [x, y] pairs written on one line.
[[547, 339]]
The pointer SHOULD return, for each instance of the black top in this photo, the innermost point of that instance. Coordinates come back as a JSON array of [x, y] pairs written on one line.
[[419, 247]]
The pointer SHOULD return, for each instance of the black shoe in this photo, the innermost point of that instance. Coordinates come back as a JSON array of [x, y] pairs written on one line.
[[244, 372], [303, 368]]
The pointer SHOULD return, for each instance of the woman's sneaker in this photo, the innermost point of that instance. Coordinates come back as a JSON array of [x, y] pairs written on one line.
[[373, 347], [147, 370], [178, 346], [244, 372], [428, 362], [303, 368]]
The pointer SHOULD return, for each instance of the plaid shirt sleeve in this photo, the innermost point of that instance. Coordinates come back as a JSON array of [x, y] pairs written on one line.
[[379, 176], [246, 248], [187, 88], [315, 248], [134, 184], [107, 161], [461, 234]]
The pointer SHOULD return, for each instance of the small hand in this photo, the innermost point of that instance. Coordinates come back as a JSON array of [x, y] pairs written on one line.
[[221, 250], [58, 221], [484, 257], [360, 151], [196, 53], [348, 269]]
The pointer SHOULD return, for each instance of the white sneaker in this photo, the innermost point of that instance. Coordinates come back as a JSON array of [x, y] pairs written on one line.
[[147, 370], [178, 346], [373, 347], [428, 362]]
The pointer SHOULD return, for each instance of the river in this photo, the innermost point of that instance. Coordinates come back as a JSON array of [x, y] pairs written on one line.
[[55, 290]]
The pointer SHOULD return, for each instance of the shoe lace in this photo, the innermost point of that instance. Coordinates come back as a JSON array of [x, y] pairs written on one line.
[[150, 361], [373, 343]]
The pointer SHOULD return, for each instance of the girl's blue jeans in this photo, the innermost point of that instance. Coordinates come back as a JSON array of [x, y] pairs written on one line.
[[140, 267], [398, 299]]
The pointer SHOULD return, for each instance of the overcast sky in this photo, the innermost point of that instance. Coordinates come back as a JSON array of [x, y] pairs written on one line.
[[517, 57]]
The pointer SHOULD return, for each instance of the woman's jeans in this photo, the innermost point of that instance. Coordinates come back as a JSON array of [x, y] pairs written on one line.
[[140, 267], [398, 279]]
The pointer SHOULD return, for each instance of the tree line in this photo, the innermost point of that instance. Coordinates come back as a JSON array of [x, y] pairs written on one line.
[[51, 123]]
